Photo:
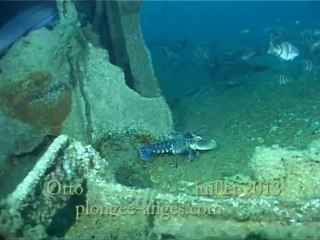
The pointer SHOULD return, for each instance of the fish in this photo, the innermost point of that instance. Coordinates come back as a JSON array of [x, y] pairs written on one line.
[[284, 51], [245, 31], [25, 21], [307, 33], [249, 53], [315, 46], [283, 79], [307, 65]]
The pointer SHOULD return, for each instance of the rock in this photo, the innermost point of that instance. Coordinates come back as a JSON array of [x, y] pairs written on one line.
[[17, 137], [299, 169]]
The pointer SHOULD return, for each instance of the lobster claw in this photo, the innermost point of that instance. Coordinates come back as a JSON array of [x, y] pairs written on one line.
[[202, 144]]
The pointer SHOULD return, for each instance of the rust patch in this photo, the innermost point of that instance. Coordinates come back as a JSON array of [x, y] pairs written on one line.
[[38, 100]]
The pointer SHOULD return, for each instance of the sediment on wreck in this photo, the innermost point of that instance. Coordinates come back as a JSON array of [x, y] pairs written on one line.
[[99, 99], [58, 179], [109, 209], [66, 84]]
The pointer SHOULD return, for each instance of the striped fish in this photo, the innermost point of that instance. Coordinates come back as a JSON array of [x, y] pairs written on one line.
[[284, 51]]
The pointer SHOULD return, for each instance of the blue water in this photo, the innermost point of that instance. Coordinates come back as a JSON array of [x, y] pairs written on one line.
[[174, 20], [223, 32]]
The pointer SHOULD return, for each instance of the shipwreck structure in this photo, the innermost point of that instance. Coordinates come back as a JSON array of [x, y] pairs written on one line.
[[80, 89]]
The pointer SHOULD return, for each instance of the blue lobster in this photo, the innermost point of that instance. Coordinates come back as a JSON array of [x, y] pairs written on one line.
[[177, 143]]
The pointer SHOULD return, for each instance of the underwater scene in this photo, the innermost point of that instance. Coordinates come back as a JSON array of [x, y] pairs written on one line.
[[162, 120]]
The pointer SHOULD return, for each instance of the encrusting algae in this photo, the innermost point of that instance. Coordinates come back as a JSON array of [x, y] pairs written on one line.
[[143, 138], [38, 100]]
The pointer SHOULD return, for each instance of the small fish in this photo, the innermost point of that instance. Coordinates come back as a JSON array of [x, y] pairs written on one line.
[[169, 54], [310, 33], [249, 53], [283, 80], [284, 51], [315, 46], [307, 65], [245, 31], [183, 44]]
